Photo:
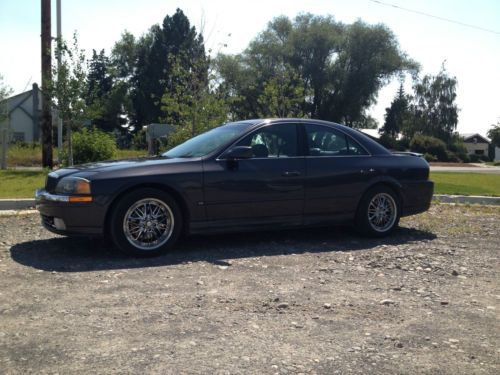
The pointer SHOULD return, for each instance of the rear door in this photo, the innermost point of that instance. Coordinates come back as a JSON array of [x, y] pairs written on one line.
[[336, 173]]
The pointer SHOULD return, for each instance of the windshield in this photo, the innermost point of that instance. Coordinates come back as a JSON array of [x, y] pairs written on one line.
[[206, 143]]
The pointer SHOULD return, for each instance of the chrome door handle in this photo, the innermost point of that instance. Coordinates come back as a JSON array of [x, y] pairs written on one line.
[[290, 174], [371, 170]]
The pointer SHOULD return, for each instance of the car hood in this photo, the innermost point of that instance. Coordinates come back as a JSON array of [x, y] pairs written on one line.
[[112, 166]]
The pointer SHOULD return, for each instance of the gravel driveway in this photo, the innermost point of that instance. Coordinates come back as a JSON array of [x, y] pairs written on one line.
[[313, 301]]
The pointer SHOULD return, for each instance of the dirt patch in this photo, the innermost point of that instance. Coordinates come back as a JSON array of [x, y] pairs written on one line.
[[315, 301]]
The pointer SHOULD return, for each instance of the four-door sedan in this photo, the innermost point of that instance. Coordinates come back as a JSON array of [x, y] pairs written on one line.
[[241, 176]]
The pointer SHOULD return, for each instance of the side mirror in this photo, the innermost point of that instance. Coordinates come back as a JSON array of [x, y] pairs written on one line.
[[239, 152]]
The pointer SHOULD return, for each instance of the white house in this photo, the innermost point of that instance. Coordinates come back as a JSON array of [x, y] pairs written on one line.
[[476, 144], [24, 114]]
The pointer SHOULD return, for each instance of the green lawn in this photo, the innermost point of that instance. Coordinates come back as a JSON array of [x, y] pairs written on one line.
[[22, 184], [466, 183]]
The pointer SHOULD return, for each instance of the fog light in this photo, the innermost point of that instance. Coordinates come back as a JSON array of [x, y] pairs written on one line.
[[59, 224]]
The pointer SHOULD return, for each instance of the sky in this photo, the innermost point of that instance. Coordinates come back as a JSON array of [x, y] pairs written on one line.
[[472, 55]]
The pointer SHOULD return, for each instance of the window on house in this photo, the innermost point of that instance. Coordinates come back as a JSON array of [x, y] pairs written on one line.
[[18, 137]]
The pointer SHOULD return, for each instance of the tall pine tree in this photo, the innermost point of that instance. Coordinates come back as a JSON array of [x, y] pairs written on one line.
[[154, 70]]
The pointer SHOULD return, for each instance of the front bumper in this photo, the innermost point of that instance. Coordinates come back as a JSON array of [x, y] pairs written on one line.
[[61, 216]]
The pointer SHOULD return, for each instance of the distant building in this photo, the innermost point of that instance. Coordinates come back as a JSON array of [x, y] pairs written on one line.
[[24, 114], [476, 144]]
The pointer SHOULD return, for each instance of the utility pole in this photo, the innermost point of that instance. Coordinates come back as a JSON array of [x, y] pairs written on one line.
[[59, 119], [46, 83]]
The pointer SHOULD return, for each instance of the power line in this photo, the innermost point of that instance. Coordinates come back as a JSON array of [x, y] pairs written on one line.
[[435, 17]]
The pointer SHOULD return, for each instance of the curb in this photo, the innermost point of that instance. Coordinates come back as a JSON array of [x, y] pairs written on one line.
[[16, 204], [471, 199]]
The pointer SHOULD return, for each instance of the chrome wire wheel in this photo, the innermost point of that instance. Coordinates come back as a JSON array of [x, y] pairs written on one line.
[[382, 212], [148, 224]]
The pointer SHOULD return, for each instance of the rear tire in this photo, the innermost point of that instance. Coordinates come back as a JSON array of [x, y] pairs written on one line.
[[146, 222], [378, 212]]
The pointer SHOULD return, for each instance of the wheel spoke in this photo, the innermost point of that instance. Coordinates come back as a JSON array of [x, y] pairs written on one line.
[[382, 212], [148, 224]]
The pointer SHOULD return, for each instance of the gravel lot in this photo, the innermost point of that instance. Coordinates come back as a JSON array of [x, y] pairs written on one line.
[[313, 301]]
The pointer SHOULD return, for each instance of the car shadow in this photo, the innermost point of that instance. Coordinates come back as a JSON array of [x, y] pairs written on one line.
[[65, 254]]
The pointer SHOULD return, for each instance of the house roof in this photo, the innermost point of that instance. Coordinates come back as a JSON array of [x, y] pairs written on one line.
[[474, 137]]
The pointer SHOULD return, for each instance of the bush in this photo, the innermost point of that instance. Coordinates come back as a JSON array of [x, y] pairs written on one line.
[[430, 158], [459, 150], [139, 140], [429, 145], [390, 143], [452, 157], [90, 145], [479, 158]]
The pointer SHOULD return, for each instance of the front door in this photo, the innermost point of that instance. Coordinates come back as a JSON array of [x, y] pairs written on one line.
[[267, 188]]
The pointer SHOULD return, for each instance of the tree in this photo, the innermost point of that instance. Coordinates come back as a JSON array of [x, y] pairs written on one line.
[[5, 92], [283, 94], [191, 102], [69, 88], [433, 107], [494, 134], [396, 115], [99, 85], [124, 56], [340, 67], [151, 75]]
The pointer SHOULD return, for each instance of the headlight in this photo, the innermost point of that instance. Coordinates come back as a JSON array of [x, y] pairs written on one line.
[[73, 185]]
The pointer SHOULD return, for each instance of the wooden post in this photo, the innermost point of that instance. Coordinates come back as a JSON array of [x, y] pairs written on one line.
[[46, 83]]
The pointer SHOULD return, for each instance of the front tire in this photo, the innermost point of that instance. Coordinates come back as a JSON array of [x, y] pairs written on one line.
[[378, 212], [146, 222]]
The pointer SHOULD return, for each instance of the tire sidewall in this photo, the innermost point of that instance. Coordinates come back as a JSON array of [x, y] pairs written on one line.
[[118, 214], [362, 223]]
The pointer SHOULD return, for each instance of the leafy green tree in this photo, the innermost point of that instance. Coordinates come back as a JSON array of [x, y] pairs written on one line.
[[494, 134], [365, 122], [192, 103], [283, 94], [69, 88], [154, 67], [396, 115], [5, 91], [124, 56], [341, 67], [434, 111]]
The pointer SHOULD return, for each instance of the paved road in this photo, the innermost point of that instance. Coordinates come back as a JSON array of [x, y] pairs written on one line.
[[490, 170]]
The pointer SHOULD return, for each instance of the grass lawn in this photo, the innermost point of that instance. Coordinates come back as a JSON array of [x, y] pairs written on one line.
[[31, 155], [22, 184], [466, 183], [127, 154]]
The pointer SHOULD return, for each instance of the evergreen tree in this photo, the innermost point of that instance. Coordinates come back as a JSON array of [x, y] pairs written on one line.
[[396, 115], [153, 71]]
